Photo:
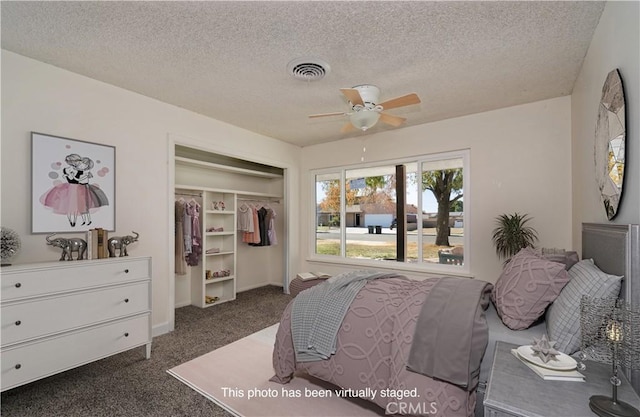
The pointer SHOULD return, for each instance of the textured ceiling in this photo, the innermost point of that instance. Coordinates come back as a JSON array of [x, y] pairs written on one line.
[[228, 60]]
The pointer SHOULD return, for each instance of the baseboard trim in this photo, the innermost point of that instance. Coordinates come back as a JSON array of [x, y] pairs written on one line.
[[161, 329], [260, 285]]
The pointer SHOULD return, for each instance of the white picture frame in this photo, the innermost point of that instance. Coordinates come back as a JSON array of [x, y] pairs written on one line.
[[72, 185]]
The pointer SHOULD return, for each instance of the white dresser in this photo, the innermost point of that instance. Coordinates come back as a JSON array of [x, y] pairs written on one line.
[[59, 315]]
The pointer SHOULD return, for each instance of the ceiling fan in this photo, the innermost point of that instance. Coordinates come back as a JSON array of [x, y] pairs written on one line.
[[366, 108]]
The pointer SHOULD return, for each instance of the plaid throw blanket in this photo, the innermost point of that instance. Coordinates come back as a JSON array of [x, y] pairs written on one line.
[[318, 312]]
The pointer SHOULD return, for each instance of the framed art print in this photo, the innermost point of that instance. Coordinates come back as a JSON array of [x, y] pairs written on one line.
[[72, 185]]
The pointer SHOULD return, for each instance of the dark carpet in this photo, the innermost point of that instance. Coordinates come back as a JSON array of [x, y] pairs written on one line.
[[129, 385]]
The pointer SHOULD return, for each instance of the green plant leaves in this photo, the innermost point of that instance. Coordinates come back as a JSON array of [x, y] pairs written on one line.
[[512, 234]]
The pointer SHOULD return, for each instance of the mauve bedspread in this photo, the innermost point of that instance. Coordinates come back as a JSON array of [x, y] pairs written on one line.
[[373, 348]]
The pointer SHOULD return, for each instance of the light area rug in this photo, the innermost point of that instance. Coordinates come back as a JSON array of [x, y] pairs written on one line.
[[232, 374]]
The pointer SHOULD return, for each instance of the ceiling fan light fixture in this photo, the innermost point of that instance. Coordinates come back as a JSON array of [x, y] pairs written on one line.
[[369, 93], [366, 109], [364, 119]]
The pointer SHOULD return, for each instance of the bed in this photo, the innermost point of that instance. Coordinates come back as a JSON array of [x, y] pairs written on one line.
[[381, 363], [373, 347], [614, 250]]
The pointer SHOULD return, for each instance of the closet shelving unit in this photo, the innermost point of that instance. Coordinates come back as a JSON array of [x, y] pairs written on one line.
[[219, 235], [217, 286], [219, 215]]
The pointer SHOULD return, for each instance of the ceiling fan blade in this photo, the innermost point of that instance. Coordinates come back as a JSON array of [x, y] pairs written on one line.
[[338, 113], [392, 120], [401, 101], [347, 128], [352, 95]]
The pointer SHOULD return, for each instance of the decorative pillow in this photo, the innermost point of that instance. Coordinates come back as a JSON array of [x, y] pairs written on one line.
[[563, 317], [527, 285], [568, 258], [297, 285]]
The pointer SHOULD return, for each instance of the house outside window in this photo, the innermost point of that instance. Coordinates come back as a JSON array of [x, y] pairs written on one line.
[[356, 213]]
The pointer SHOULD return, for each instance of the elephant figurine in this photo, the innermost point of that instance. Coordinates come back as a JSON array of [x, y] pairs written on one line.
[[68, 246], [121, 243]]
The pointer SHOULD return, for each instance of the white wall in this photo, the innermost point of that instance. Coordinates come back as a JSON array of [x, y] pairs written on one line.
[[520, 162], [42, 98], [615, 44]]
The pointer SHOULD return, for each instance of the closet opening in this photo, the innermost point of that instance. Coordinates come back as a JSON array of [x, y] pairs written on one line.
[[229, 233]]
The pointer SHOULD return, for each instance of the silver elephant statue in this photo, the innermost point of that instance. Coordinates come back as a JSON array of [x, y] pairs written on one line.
[[120, 243], [68, 246]]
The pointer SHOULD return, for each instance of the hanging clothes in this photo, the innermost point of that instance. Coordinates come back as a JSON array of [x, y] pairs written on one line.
[[256, 227], [271, 228], [248, 235], [195, 238], [180, 262], [257, 223], [262, 228], [186, 227], [245, 218]]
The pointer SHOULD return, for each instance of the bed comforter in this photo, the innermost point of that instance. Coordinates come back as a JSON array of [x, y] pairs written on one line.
[[373, 348]]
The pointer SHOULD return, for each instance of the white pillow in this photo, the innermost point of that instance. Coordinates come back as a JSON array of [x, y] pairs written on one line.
[[563, 316]]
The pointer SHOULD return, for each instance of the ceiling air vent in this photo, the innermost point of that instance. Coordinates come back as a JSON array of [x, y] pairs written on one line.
[[308, 69]]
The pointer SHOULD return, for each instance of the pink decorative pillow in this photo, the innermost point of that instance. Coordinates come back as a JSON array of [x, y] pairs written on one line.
[[527, 285]]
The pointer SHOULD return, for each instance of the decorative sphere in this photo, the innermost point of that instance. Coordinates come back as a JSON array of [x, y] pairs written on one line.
[[10, 244]]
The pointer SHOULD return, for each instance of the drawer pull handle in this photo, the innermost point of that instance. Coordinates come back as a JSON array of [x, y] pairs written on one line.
[[126, 271], [18, 366], [126, 300], [18, 285], [18, 323], [126, 335]]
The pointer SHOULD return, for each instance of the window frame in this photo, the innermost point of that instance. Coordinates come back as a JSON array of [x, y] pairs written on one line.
[[340, 171]]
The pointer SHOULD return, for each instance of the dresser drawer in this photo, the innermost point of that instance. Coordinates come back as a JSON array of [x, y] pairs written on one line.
[[29, 362], [55, 277], [490, 412], [23, 320]]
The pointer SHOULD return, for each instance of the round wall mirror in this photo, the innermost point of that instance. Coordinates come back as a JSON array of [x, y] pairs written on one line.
[[610, 143]]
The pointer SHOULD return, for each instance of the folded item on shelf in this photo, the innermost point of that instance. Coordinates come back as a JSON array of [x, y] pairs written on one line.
[[213, 250]]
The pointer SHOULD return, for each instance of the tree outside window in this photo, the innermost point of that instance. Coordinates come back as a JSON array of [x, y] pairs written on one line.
[[360, 226]]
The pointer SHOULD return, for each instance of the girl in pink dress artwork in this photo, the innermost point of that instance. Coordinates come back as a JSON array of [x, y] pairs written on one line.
[[76, 197]]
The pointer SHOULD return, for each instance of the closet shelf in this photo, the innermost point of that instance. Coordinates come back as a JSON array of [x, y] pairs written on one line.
[[219, 212], [228, 252], [241, 195], [219, 279], [219, 233], [225, 168]]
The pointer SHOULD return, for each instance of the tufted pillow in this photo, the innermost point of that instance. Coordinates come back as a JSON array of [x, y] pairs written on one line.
[[527, 285], [563, 317], [568, 258]]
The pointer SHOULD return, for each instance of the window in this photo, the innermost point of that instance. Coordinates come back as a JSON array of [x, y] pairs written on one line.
[[356, 212]]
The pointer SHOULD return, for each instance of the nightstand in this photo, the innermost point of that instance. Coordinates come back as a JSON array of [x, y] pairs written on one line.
[[514, 390]]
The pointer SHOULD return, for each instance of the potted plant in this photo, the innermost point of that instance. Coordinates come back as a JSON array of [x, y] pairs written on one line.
[[512, 234]]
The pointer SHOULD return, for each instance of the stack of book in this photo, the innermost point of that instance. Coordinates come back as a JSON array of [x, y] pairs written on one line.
[[305, 276], [548, 372], [97, 243]]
